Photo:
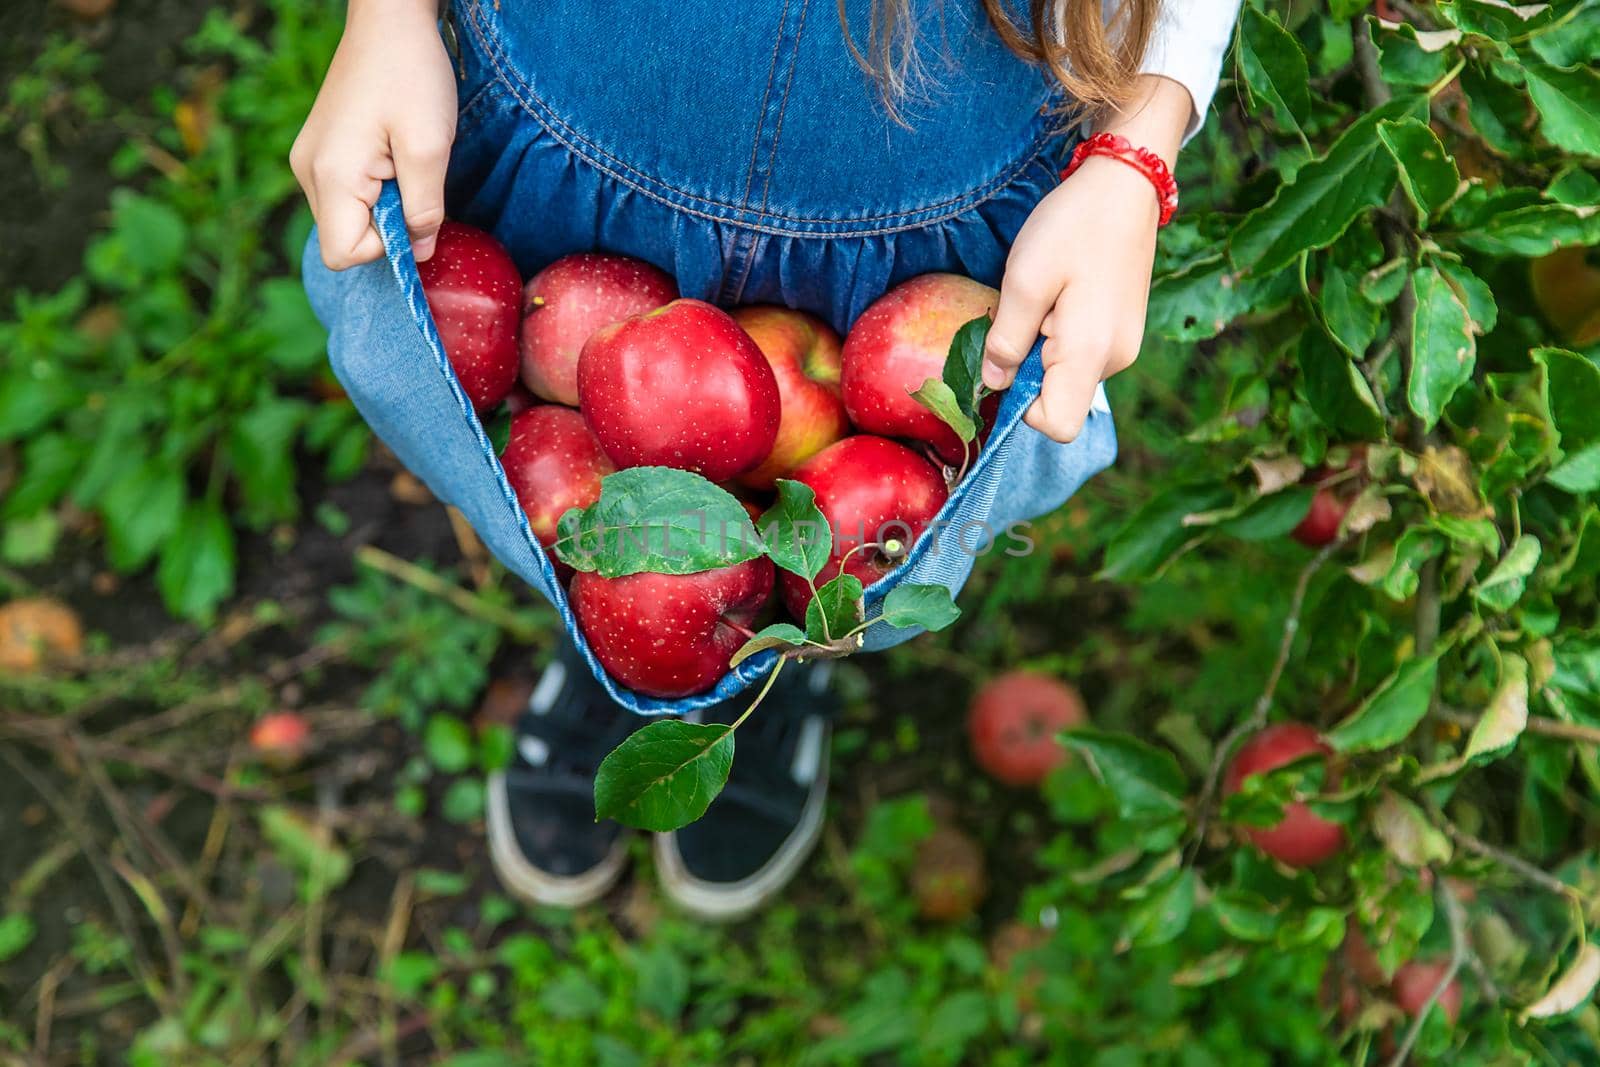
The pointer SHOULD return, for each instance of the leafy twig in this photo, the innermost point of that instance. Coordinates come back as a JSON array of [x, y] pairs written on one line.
[[1516, 864], [1258, 714], [1455, 915], [465, 600], [1537, 724]]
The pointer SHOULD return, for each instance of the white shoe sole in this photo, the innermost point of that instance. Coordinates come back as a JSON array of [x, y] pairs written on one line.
[[726, 901], [525, 881]]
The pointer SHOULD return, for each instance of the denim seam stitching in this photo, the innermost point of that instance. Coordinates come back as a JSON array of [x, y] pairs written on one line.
[[766, 95], [822, 228], [783, 105]]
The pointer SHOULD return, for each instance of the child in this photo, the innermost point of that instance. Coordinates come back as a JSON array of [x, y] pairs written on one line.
[[777, 151]]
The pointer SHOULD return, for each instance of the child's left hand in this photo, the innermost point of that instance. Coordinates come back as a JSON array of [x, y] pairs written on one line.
[[1079, 271]]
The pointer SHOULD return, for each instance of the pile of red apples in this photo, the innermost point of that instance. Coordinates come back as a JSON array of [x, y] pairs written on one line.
[[604, 366]]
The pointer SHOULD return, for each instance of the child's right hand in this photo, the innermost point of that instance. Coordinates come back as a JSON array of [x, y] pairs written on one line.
[[387, 109]]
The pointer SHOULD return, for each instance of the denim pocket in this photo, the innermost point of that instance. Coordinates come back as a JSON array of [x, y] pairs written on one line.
[[386, 352]]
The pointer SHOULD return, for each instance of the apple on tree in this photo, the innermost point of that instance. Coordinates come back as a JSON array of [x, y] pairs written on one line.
[[553, 463], [475, 295], [1415, 982], [871, 492], [566, 302], [1013, 722], [681, 386], [1335, 490], [1301, 838], [805, 356], [671, 635], [900, 342]]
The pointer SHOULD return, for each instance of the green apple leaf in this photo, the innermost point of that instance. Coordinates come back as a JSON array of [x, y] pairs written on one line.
[[1443, 348], [1274, 67], [1144, 781], [1427, 173], [665, 775], [963, 367], [1572, 392], [928, 606], [835, 610], [1336, 389], [797, 535], [1533, 230], [1163, 914], [1579, 472], [1501, 724], [1504, 585], [1351, 318], [1394, 709], [657, 519], [784, 635], [1473, 292], [1313, 208], [1569, 105], [939, 398]]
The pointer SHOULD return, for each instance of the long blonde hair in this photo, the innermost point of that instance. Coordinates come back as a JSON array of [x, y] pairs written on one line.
[[1094, 59]]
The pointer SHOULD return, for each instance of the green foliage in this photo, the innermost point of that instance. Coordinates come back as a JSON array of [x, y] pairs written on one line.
[[427, 655], [1371, 329], [166, 390]]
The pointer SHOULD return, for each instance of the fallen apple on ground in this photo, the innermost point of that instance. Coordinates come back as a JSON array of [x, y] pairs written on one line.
[[671, 635], [281, 738], [1301, 838], [949, 877], [475, 295], [566, 302], [871, 491], [681, 386], [900, 342], [553, 463], [1013, 723], [35, 631], [805, 354]]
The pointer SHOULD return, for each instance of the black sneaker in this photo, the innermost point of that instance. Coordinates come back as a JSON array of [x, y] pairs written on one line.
[[754, 838], [543, 839]]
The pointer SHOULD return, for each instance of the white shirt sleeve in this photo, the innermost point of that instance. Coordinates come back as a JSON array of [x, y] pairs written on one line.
[[1190, 41]]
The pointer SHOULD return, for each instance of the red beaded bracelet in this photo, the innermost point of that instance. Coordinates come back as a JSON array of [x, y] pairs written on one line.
[[1142, 160]]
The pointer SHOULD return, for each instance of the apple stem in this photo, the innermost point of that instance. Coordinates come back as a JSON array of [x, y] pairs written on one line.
[[765, 689], [749, 634]]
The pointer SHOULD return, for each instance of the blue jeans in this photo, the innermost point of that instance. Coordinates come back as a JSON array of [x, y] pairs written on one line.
[[742, 149]]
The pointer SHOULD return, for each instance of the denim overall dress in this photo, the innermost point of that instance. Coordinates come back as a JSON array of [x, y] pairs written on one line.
[[741, 148]]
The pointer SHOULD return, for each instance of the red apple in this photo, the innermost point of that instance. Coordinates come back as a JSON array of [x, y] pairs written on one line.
[[1360, 958], [900, 342], [1013, 723], [520, 399], [572, 298], [949, 877], [870, 490], [475, 294], [1321, 524], [804, 353], [280, 739], [1302, 838], [553, 463], [671, 635], [1329, 503], [681, 386], [1415, 982]]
